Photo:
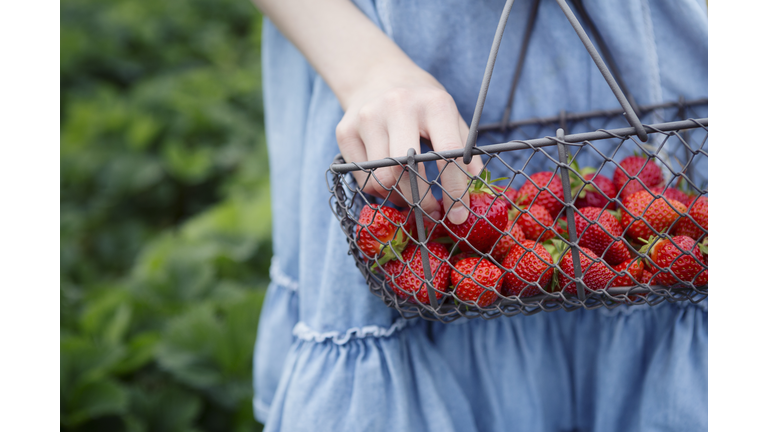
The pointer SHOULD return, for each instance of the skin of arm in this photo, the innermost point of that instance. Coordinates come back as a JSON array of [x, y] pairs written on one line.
[[389, 102]]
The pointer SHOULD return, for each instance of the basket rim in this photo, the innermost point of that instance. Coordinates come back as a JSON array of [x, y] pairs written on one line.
[[599, 134]]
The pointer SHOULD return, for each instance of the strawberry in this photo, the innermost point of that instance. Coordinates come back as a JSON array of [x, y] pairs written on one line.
[[432, 230], [631, 267], [690, 197], [648, 277], [535, 221], [702, 279], [506, 241], [406, 277], [644, 169], [670, 254], [595, 273], [510, 193], [460, 256], [377, 226], [672, 193], [594, 195], [481, 288], [698, 212], [636, 269], [528, 263], [545, 189], [595, 234], [486, 221], [645, 213]]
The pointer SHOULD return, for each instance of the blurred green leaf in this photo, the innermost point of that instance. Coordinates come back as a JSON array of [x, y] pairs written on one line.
[[210, 348], [107, 316], [188, 347], [165, 220], [95, 399], [83, 361], [141, 350], [168, 408]]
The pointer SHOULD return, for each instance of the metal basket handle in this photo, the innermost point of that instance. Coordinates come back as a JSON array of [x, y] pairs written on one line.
[[629, 110]]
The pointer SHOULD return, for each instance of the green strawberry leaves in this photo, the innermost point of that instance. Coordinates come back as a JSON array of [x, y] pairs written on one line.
[[615, 213], [483, 182], [576, 175], [393, 249], [704, 246]]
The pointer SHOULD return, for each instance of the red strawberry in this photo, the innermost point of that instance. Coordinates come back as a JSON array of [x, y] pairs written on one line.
[[377, 226], [460, 256], [481, 231], [644, 212], [632, 267], [670, 254], [506, 241], [689, 199], [644, 169], [596, 273], [407, 277], [595, 234], [432, 230], [545, 189], [535, 221], [636, 269], [672, 193], [509, 192], [481, 290], [645, 278], [528, 263], [698, 212], [648, 276], [702, 279], [595, 195]]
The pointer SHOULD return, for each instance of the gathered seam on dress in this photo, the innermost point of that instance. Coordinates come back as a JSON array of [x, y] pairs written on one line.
[[304, 332], [280, 278]]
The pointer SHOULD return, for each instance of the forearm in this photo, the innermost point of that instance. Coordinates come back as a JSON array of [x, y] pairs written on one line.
[[338, 40]]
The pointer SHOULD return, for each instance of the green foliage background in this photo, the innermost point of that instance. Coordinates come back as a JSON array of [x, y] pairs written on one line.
[[165, 217]]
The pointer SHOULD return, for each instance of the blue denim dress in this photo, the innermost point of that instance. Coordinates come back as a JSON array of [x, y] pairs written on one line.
[[330, 355]]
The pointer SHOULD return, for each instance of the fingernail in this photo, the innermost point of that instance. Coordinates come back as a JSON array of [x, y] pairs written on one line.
[[458, 215], [435, 215]]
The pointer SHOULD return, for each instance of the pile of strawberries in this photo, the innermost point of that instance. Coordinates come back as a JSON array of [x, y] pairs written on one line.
[[630, 230]]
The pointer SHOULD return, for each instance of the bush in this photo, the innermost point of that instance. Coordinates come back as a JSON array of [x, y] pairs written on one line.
[[165, 218]]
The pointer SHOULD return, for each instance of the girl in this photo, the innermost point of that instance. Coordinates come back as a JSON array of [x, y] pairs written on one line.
[[369, 79]]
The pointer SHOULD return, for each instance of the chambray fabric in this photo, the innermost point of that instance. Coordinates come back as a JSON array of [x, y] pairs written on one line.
[[331, 356]]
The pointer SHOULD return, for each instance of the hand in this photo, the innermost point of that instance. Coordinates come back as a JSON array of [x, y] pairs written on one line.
[[398, 105], [389, 101]]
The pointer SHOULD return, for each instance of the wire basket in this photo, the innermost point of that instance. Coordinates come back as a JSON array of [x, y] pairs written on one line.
[[551, 234]]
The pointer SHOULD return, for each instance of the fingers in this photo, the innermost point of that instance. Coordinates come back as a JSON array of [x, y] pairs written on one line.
[[353, 149], [476, 166], [443, 125], [403, 130], [394, 123]]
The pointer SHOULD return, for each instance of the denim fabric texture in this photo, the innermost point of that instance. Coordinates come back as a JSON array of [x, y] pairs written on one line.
[[331, 356]]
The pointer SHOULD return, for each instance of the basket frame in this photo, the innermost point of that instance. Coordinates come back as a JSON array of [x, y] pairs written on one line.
[[438, 309]]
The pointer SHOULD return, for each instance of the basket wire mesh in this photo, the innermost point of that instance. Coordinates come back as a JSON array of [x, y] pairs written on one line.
[[568, 276]]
